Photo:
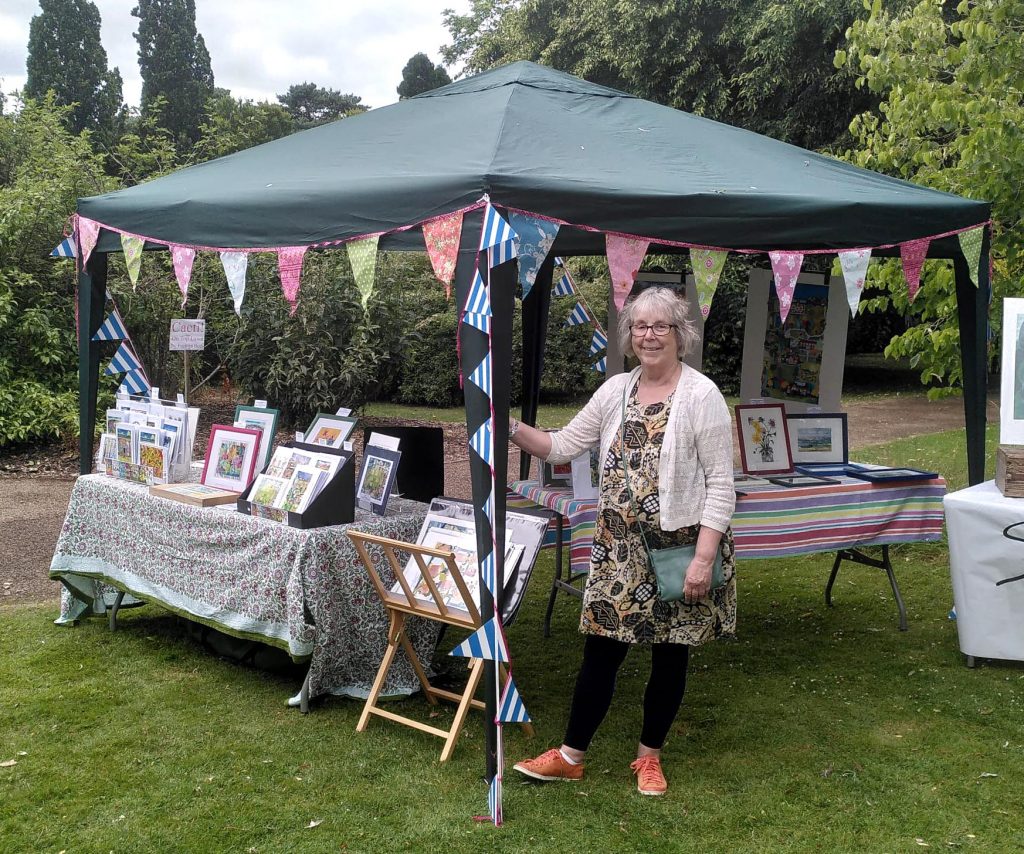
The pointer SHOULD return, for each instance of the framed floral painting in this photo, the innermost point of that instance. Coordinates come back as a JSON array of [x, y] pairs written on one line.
[[329, 430], [259, 418], [231, 457], [764, 439]]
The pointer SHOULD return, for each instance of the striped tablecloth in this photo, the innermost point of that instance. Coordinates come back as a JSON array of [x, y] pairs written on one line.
[[778, 521]]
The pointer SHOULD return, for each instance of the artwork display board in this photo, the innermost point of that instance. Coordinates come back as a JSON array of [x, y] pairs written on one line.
[[421, 469], [1011, 384], [798, 363]]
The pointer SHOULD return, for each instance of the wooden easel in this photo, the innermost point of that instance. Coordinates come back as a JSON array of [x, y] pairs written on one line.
[[401, 605]]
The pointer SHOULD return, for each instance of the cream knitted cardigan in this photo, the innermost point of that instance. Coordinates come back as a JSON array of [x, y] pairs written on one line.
[[695, 470]]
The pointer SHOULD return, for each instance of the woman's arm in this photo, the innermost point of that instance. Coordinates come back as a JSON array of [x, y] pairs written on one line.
[[713, 433], [698, 574], [537, 443]]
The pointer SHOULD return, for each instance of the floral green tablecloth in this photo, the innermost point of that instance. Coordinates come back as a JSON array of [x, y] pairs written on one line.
[[303, 591]]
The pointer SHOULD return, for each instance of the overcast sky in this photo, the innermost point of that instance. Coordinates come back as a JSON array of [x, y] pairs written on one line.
[[261, 47]]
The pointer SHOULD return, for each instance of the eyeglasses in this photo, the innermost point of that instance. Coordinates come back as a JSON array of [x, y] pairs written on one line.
[[640, 329]]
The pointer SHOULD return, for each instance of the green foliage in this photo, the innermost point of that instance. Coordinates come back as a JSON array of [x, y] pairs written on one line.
[[233, 124], [175, 64], [421, 75], [950, 118], [310, 105], [65, 54]]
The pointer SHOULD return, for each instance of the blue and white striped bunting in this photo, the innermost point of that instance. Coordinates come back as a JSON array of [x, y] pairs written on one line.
[[134, 382], [481, 376], [488, 572], [112, 328], [564, 287], [487, 642], [498, 238], [483, 443], [494, 800], [65, 249], [601, 365], [598, 342], [511, 709], [124, 360], [478, 301], [578, 316], [559, 262], [478, 321]]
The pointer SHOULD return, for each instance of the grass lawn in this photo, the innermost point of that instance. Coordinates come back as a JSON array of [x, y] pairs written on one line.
[[816, 729]]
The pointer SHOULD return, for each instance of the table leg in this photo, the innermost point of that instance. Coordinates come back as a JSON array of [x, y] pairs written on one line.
[[304, 694], [857, 556], [112, 617], [555, 584], [970, 661]]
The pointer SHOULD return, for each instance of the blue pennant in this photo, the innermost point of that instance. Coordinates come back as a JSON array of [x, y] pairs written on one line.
[[483, 443], [478, 302], [494, 800], [578, 316], [489, 574], [124, 360], [601, 365], [112, 328], [478, 321], [498, 238], [564, 287], [134, 382], [598, 342], [487, 642], [511, 709], [481, 376], [65, 249]]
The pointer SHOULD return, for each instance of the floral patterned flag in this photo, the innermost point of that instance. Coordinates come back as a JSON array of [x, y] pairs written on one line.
[[182, 258], [970, 245], [913, 253], [854, 263], [786, 267], [132, 248], [707, 270], [536, 237], [289, 266], [625, 255], [235, 265], [362, 255], [88, 234], [487, 642], [442, 238]]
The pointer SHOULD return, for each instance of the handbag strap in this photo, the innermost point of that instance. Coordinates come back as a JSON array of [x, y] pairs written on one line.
[[625, 466]]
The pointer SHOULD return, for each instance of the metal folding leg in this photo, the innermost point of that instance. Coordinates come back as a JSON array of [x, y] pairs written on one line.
[[857, 556]]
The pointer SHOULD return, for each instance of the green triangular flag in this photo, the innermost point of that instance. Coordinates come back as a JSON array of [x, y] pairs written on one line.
[[970, 245], [707, 268], [132, 247], [362, 255]]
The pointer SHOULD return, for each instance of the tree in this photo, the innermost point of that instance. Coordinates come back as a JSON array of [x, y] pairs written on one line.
[[421, 75], [950, 118], [175, 65], [310, 105], [234, 124], [65, 55]]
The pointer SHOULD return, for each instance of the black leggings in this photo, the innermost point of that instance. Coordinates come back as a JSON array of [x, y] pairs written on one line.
[[595, 685]]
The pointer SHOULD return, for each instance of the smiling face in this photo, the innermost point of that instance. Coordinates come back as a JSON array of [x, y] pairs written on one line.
[[657, 352]]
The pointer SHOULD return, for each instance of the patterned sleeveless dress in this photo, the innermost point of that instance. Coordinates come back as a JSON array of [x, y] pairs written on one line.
[[621, 597]]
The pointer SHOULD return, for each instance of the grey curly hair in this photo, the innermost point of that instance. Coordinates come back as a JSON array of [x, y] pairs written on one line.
[[659, 302]]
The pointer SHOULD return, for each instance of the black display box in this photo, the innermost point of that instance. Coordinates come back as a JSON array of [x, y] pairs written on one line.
[[421, 469]]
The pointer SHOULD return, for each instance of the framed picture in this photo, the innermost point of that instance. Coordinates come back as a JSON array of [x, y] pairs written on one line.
[[1011, 388], [230, 457], [821, 469], [802, 480], [555, 474], [764, 441], [380, 467], [330, 430], [892, 475], [259, 418], [586, 475], [818, 438]]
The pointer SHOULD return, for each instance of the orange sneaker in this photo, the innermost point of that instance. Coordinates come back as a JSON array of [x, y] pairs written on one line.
[[649, 778], [550, 766]]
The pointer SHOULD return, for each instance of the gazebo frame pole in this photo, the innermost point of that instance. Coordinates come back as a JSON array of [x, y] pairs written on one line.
[[972, 313], [536, 308], [92, 290]]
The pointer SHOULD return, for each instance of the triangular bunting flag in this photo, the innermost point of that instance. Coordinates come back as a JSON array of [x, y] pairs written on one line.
[[601, 365], [497, 238], [112, 328], [598, 342], [236, 265], [854, 263], [132, 248], [487, 642], [182, 258], [362, 255], [478, 302], [970, 245], [483, 443], [481, 376], [564, 287], [578, 316], [786, 267], [134, 382], [494, 800], [88, 234], [511, 709], [913, 253], [479, 321], [707, 270], [536, 237], [625, 255], [124, 360], [559, 262], [65, 249], [442, 238], [289, 266], [488, 573]]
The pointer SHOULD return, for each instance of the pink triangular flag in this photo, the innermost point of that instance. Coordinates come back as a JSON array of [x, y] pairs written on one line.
[[88, 234], [913, 253], [786, 267], [442, 238], [854, 263], [289, 264], [182, 258], [625, 255]]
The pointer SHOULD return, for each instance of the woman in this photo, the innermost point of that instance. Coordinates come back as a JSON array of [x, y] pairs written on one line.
[[678, 450]]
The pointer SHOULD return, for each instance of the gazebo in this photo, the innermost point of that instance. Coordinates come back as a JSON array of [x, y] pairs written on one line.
[[526, 139]]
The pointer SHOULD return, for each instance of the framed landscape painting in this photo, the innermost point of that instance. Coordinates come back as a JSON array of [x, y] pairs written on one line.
[[231, 457], [764, 440], [818, 438]]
